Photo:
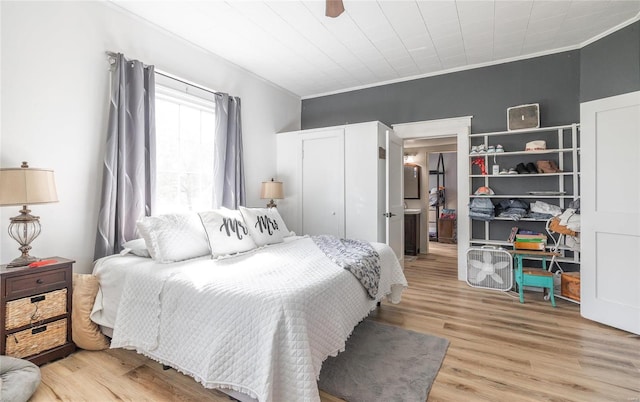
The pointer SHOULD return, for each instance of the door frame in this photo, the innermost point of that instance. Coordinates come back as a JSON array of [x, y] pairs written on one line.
[[460, 127]]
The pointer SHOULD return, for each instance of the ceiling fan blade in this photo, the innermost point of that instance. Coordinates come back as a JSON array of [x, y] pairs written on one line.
[[334, 8]]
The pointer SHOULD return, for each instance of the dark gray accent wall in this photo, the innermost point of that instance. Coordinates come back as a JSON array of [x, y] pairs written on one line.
[[611, 65], [485, 93]]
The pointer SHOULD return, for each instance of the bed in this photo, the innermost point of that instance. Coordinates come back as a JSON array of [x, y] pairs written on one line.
[[260, 323]]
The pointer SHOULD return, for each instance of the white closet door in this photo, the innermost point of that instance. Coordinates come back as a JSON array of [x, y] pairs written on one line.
[[610, 211], [323, 183]]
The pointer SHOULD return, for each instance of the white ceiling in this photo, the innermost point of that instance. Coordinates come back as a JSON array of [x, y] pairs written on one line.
[[292, 43]]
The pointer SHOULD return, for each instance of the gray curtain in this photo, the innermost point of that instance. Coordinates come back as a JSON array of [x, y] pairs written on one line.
[[128, 181], [228, 170]]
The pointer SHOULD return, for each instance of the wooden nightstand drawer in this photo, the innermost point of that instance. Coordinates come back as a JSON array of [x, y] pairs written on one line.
[[38, 339], [34, 309], [36, 282]]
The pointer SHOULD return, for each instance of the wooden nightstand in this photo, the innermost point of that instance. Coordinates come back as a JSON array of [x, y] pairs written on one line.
[[35, 311]]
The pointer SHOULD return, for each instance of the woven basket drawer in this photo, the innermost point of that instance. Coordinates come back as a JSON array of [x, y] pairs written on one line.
[[34, 309], [38, 339]]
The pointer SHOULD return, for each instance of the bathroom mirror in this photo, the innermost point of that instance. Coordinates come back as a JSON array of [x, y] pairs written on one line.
[[412, 176]]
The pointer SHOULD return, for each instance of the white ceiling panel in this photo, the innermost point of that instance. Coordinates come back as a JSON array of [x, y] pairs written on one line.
[[292, 44]]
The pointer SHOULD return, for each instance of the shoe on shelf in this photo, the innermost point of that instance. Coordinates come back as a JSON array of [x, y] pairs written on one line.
[[505, 171], [521, 168], [474, 150], [547, 167], [482, 148], [491, 149], [499, 148], [531, 168], [512, 171]]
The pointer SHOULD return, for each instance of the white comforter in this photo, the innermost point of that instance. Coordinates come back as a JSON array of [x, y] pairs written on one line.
[[261, 323]]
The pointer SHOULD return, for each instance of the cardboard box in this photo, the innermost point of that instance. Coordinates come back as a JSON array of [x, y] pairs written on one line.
[[570, 285]]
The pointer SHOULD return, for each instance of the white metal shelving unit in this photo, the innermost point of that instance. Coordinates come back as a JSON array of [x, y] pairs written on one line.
[[567, 143]]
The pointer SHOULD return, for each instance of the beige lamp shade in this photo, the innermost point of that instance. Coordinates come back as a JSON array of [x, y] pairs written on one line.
[[271, 190], [27, 186]]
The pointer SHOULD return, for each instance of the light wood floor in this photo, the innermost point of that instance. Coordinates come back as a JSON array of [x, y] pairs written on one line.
[[500, 350]]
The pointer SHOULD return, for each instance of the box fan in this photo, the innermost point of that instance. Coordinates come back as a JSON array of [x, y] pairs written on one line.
[[489, 268]]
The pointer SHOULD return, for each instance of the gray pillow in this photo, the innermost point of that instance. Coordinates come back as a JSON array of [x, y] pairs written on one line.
[[20, 379]]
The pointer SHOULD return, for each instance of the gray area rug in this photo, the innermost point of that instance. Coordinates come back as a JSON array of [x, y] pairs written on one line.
[[384, 363]]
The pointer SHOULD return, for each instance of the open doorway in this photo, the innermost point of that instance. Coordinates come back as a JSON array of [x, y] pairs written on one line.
[[436, 204], [459, 128]]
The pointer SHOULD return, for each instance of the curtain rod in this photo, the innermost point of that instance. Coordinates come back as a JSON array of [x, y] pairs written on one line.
[[190, 83], [171, 76]]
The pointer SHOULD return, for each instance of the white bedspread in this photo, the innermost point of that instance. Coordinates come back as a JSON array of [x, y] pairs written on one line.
[[261, 323]]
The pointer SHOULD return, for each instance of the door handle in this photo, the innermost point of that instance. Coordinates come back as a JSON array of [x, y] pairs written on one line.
[[388, 214]]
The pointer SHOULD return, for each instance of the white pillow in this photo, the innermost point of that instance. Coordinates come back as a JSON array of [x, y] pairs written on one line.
[[136, 247], [174, 237], [227, 232], [265, 225]]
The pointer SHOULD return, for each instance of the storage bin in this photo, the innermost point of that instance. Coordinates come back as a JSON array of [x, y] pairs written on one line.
[[33, 309], [446, 230], [37, 339], [570, 285]]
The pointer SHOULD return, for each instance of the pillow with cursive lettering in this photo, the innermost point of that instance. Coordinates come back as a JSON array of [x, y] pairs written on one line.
[[265, 225], [227, 232]]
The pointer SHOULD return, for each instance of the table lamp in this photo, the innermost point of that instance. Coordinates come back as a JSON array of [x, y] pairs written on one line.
[[271, 190], [26, 186]]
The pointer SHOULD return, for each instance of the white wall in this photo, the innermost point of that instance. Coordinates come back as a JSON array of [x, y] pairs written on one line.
[[55, 83]]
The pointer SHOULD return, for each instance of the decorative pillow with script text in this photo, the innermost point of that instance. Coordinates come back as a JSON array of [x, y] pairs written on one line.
[[227, 232], [265, 225]]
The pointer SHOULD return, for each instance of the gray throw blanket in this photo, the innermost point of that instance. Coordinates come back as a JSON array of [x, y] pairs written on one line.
[[356, 256]]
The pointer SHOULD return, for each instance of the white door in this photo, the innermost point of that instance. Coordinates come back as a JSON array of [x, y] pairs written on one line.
[[610, 211], [322, 183], [395, 195]]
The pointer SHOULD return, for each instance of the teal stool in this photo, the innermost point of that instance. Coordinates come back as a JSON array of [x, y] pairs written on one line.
[[533, 276]]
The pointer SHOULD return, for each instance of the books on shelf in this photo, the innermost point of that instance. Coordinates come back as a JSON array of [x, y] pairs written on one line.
[[535, 238], [527, 240]]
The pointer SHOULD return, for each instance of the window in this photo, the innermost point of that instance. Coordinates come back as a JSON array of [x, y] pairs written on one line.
[[185, 126]]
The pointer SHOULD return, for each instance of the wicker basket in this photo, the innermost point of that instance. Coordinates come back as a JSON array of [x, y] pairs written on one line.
[[33, 309], [38, 339]]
